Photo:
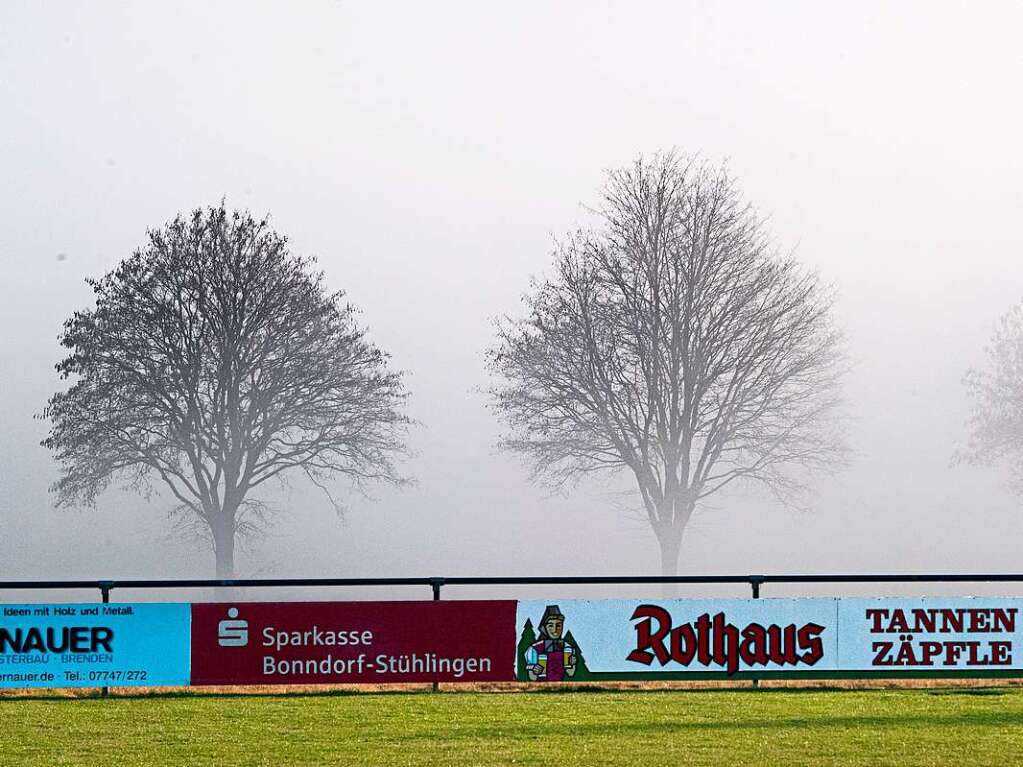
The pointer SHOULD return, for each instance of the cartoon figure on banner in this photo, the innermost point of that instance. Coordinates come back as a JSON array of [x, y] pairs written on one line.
[[552, 658]]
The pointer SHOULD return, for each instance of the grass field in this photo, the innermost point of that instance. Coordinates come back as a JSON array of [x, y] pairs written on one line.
[[919, 727]]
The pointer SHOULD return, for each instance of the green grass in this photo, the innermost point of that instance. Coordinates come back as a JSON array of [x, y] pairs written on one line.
[[917, 727]]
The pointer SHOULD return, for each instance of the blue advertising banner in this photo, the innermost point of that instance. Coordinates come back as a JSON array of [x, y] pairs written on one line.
[[579, 640], [94, 645], [937, 634]]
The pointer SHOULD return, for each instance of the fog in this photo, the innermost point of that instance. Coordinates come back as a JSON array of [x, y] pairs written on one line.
[[426, 154]]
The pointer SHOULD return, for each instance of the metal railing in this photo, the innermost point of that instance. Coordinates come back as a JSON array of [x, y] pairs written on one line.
[[436, 583]]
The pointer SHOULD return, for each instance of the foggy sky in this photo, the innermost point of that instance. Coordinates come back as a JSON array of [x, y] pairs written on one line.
[[427, 153]]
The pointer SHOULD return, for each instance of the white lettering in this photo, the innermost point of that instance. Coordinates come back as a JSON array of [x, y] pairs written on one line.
[[316, 637]]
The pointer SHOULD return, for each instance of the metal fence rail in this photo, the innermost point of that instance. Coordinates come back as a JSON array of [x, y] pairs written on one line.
[[438, 582]]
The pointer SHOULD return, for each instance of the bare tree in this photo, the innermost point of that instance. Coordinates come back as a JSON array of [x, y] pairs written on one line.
[[996, 398], [674, 343], [213, 361]]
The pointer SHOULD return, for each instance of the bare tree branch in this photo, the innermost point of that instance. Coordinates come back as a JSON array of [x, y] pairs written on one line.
[[996, 397], [212, 361], [673, 342]]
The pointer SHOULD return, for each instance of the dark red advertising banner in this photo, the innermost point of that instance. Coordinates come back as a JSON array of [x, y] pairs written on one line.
[[342, 642]]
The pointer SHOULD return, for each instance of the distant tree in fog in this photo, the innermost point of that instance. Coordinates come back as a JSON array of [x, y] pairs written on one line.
[[674, 343], [213, 361], [996, 398]]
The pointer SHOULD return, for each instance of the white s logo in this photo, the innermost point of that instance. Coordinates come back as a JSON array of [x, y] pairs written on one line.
[[233, 633]]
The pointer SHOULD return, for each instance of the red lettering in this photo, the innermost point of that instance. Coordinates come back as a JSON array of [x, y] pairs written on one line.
[[754, 645], [1001, 654], [1005, 620], [683, 635], [646, 639], [979, 621], [929, 651], [898, 625], [905, 655], [715, 641], [951, 622], [810, 641], [876, 616], [882, 652], [703, 654], [924, 621]]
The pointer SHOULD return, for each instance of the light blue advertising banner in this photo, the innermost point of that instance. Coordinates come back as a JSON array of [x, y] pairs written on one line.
[[578, 640], [94, 645], [931, 634]]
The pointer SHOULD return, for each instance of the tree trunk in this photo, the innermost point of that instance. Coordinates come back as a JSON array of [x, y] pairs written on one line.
[[223, 544], [670, 539], [671, 544]]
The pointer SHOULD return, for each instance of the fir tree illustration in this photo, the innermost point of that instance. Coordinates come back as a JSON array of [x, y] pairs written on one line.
[[581, 671], [527, 641]]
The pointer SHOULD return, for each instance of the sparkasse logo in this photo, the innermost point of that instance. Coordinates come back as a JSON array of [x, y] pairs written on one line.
[[233, 632]]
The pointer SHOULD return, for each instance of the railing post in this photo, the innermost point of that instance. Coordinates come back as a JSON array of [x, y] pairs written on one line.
[[104, 590], [435, 584], [754, 582]]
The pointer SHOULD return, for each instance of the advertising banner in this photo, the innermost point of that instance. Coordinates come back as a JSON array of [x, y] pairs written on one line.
[[578, 640], [946, 634], [346, 642], [94, 645], [587, 640], [270, 643]]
